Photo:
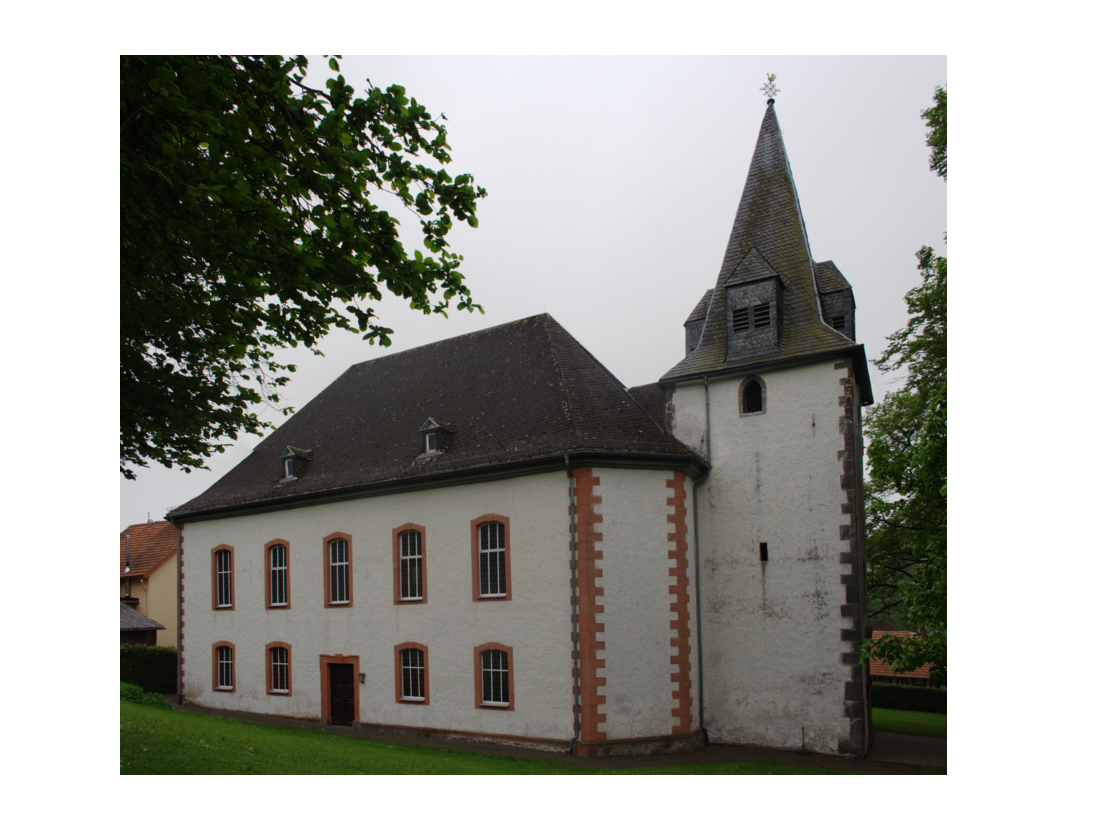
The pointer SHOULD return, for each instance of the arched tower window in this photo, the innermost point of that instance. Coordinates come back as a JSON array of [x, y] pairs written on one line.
[[752, 396]]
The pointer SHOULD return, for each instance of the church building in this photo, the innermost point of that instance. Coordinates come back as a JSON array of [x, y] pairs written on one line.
[[492, 536]]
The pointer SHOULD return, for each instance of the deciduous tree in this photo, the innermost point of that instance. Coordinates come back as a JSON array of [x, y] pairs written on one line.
[[250, 222], [906, 492]]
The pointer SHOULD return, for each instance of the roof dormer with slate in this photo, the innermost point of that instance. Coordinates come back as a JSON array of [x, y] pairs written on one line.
[[294, 462], [771, 302]]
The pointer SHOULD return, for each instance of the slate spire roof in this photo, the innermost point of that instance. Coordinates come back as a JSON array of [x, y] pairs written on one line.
[[509, 395], [768, 238]]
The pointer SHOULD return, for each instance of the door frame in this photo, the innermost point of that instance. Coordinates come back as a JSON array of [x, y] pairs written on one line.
[[325, 686]]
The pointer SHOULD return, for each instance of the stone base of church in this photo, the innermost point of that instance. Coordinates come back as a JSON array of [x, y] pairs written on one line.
[[641, 746]]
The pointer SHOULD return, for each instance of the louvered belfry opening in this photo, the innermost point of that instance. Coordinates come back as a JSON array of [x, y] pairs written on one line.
[[752, 397], [740, 320], [762, 316]]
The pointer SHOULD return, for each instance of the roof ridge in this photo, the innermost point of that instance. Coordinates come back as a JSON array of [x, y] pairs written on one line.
[[447, 340]]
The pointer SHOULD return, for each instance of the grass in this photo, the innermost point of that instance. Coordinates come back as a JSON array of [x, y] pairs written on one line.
[[932, 724], [157, 741]]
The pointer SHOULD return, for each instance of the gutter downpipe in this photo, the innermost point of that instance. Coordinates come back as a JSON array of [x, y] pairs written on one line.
[[575, 606], [697, 570]]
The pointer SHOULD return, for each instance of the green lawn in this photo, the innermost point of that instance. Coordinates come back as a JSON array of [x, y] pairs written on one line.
[[932, 724], [160, 740]]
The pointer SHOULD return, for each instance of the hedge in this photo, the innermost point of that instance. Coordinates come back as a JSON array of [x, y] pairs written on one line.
[[900, 697], [151, 668]]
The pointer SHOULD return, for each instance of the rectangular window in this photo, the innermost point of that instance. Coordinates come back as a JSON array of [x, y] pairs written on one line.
[[223, 578], [740, 320], [493, 560], [339, 560], [280, 669], [224, 668], [411, 566], [762, 316], [412, 675], [431, 442], [279, 592], [494, 685], [839, 322]]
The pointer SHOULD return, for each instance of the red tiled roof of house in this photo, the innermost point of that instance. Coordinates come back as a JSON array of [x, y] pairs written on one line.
[[150, 546], [880, 668]]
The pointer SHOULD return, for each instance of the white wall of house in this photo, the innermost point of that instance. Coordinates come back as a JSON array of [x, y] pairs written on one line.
[[637, 615], [771, 631], [535, 622]]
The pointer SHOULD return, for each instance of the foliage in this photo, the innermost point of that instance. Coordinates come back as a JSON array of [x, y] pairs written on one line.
[[248, 223], [903, 697], [906, 492], [150, 668], [930, 724], [935, 118], [187, 743], [135, 695]]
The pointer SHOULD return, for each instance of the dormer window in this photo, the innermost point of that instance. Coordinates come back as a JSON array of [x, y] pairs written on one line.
[[436, 437], [838, 322], [294, 462]]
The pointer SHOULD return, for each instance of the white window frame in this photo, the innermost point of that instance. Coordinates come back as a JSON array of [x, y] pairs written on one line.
[[411, 557], [288, 468], [490, 660], [430, 442], [339, 571], [278, 577], [225, 667], [280, 667], [409, 666], [224, 577], [491, 548]]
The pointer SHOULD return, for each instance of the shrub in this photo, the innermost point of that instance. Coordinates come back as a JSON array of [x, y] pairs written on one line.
[[900, 697], [151, 668], [135, 695]]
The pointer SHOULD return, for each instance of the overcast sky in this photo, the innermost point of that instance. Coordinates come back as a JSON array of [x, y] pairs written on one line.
[[612, 187]]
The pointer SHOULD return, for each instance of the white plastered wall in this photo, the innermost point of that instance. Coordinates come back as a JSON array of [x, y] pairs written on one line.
[[771, 631], [535, 622], [637, 603]]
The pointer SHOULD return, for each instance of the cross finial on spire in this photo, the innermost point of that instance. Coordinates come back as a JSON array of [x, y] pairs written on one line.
[[770, 89]]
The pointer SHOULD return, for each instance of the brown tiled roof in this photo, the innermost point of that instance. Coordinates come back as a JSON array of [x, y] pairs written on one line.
[[768, 237], [880, 668], [517, 392], [132, 619], [650, 399], [150, 546]]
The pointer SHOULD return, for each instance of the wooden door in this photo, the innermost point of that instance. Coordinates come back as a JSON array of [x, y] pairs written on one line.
[[341, 698]]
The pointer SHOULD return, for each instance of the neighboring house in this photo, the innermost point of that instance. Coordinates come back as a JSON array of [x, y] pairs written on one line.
[[148, 582], [881, 672], [136, 628], [491, 535]]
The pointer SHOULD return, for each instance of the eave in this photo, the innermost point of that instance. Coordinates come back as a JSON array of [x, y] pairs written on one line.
[[690, 464], [856, 351]]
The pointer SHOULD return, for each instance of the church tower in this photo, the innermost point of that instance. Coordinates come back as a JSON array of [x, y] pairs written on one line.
[[770, 392]]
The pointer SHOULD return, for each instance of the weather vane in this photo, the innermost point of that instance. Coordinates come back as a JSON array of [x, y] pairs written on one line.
[[770, 88]]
